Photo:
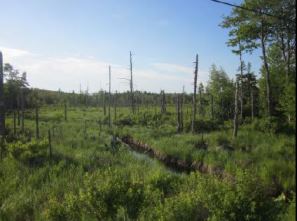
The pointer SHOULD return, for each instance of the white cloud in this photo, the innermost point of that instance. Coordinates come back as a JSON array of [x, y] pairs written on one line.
[[11, 53], [68, 73]]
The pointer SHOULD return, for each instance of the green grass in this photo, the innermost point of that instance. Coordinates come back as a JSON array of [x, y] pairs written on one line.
[[87, 179]]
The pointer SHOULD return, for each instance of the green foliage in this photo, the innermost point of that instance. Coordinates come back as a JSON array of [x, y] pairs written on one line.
[[29, 152], [272, 125], [87, 181], [221, 88], [204, 126]]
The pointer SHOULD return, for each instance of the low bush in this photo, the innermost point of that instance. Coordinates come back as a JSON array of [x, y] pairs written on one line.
[[31, 152]]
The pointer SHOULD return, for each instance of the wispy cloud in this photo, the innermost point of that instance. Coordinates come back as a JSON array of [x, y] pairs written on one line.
[[67, 73], [11, 53]]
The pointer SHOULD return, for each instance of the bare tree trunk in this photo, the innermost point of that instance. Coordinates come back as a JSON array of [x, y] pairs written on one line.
[[182, 108], [131, 85], [2, 105], [178, 114], [241, 89], [268, 85], [163, 102], [22, 111], [235, 122], [194, 110], [115, 106], [283, 49], [104, 103], [252, 103]]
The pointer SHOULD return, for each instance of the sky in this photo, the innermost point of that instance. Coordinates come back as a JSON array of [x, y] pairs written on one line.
[[69, 44]]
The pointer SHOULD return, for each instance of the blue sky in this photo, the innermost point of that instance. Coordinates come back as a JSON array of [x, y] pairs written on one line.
[[64, 43]]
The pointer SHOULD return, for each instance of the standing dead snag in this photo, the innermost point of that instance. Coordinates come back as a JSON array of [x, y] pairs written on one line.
[[241, 80], [131, 86], [104, 103], [252, 104], [182, 107], [23, 104], [115, 106], [201, 91], [235, 122], [266, 68], [163, 102], [194, 110], [179, 127]]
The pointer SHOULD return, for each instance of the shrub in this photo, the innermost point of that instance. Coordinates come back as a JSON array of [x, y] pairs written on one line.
[[30, 152], [125, 121], [203, 126], [273, 125]]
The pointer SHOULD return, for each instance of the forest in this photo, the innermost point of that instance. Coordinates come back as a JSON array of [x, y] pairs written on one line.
[[225, 151]]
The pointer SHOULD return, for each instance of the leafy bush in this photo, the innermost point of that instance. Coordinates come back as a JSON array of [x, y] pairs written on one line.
[[204, 126], [125, 121], [224, 142], [30, 152], [273, 125]]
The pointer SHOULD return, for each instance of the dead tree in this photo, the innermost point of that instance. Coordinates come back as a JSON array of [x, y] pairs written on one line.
[[37, 121], [252, 103], [104, 103], [241, 80], [115, 106], [22, 111], [182, 107], [194, 108], [235, 122], [131, 86], [109, 98], [163, 102], [179, 127]]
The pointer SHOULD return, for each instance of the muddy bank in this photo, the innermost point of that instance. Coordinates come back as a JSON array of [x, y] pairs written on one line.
[[174, 162], [179, 165]]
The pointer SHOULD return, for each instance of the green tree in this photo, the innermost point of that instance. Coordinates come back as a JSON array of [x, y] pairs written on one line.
[[221, 88]]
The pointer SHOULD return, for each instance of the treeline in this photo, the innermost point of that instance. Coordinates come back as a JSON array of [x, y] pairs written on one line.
[[267, 25], [214, 101]]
